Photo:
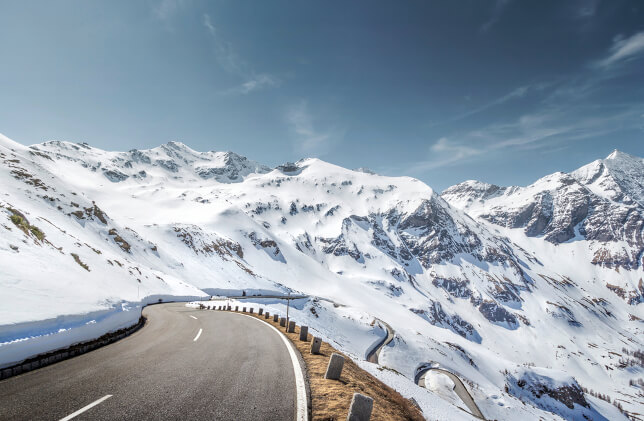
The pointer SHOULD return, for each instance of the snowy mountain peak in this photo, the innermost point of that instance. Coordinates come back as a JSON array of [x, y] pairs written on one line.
[[619, 177], [619, 155]]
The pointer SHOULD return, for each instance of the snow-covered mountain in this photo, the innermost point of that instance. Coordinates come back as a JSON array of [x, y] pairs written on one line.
[[529, 294]]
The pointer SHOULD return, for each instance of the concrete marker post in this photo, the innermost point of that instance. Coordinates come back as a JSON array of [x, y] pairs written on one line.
[[361, 407], [267, 315], [334, 369], [316, 343], [275, 317], [236, 308], [251, 310], [260, 311], [291, 326], [283, 321], [304, 333], [244, 310]]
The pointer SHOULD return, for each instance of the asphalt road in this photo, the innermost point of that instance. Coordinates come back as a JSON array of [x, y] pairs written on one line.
[[459, 389], [373, 355], [183, 364]]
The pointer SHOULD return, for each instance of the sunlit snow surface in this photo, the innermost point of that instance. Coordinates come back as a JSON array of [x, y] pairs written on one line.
[[363, 246]]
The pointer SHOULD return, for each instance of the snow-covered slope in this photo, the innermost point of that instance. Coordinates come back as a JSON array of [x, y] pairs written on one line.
[[507, 312]]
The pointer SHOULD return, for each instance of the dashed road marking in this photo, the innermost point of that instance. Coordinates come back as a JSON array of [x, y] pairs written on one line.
[[85, 408], [198, 335]]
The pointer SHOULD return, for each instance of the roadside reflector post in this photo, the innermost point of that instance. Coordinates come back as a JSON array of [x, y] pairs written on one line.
[[361, 407], [304, 333], [315, 345], [334, 369]]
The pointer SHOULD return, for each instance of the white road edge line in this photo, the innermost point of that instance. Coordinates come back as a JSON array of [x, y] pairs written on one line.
[[300, 387], [198, 335], [85, 408], [193, 317]]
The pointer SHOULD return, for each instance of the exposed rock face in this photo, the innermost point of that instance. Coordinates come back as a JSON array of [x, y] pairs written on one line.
[[601, 202], [431, 234], [207, 244], [438, 317], [234, 167], [455, 287], [498, 315], [115, 176], [269, 246], [534, 386]]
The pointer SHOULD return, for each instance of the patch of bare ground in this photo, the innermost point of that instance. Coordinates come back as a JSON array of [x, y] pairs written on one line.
[[330, 399]]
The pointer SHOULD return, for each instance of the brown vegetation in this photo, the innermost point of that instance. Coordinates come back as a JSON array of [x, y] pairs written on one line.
[[330, 399], [80, 262]]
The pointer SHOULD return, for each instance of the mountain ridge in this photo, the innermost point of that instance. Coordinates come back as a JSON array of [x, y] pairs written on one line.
[[457, 287]]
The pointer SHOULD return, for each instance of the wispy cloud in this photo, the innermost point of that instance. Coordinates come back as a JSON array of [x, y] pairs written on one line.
[[308, 138], [516, 93], [588, 105], [499, 6], [232, 63], [585, 9], [165, 9], [623, 50], [444, 153]]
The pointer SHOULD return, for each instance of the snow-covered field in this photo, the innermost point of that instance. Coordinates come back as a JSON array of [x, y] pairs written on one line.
[[525, 317]]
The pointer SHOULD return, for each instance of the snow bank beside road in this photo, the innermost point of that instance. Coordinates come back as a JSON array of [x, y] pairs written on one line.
[[21, 341]]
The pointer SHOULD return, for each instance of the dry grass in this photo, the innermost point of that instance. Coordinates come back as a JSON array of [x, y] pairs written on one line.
[[330, 399]]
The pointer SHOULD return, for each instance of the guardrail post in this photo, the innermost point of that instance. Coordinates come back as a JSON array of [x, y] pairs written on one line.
[[275, 317], [283, 321], [236, 308], [267, 315], [291, 326], [260, 311], [251, 310], [361, 407], [334, 369], [315, 345], [304, 333], [244, 310]]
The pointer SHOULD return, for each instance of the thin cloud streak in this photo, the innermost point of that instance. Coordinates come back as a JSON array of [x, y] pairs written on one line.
[[165, 9], [309, 139], [499, 5], [623, 50], [232, 63], [517, 93], [573, 110]]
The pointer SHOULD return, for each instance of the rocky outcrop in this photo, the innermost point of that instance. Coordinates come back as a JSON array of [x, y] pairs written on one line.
[[602, 202]]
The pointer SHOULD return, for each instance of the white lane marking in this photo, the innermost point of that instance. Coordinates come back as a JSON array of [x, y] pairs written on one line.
[[193, 317], [85, 408], [302, 406], [198, 335]]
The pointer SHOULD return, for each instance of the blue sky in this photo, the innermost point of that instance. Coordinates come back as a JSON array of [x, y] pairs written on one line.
[[501, 91]]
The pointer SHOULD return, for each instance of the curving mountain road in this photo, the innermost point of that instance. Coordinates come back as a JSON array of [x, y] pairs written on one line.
[[459, 389], [184, 364], [372, 356]]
